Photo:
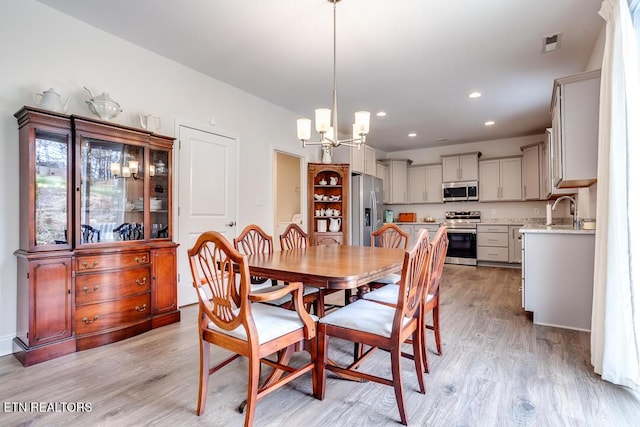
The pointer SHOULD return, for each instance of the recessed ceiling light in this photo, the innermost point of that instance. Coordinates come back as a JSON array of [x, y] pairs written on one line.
[[412, 135], [381, 114], [489, 123], [475, 95]]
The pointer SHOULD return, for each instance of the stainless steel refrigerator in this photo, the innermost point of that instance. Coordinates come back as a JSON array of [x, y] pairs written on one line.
[[366, 208]]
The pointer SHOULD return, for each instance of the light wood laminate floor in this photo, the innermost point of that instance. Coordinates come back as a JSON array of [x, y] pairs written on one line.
[[498, 369]]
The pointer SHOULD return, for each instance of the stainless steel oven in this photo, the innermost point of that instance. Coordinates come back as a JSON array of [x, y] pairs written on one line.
[[461, 231]]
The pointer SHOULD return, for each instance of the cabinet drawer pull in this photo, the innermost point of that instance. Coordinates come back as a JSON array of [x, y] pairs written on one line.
[[87, 321], [86, 265], [141, 309], [141, 260], [86, 290], [141, 282]]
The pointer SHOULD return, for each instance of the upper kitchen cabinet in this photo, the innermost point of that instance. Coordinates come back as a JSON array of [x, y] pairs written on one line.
[[531, 178], [547, 189], [425, 184], [461, 167], [382, 172], [574, 111], [500, 179], [398, 178], [361, 160]]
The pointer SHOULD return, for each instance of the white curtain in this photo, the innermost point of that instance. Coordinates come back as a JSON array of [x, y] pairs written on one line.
[[615, 327]]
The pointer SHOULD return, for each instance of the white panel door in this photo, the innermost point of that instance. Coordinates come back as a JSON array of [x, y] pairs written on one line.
[[207, 199]]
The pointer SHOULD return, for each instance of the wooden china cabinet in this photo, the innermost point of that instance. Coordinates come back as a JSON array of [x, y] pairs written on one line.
[[328, 190], [96, 262]]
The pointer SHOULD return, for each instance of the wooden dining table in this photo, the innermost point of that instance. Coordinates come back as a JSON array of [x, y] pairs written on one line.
[[328, 266]]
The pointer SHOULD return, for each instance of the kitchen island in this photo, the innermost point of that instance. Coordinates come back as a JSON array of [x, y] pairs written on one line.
[[557, 275]]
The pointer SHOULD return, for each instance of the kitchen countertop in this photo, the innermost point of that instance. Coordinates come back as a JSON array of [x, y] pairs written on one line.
[[554, 229]]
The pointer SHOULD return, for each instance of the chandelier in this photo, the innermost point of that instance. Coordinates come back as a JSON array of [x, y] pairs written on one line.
[[327, 119]]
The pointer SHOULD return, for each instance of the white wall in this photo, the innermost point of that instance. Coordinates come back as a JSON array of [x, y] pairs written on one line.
[[42, 48]]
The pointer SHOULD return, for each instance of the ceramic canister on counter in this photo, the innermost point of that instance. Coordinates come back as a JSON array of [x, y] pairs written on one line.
[[388, 215]]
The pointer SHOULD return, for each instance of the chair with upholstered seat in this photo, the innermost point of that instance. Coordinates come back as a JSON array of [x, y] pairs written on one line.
[[254, 240], [228, 318], [389, 294], [381, 327], [294, 237]]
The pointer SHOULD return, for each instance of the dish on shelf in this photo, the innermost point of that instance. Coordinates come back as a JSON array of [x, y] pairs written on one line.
[[323, 182], [317, 196]]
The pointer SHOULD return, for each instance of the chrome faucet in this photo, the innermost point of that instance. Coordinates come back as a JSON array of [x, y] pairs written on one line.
[[576, 222]]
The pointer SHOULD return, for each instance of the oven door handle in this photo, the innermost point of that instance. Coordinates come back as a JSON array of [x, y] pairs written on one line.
[[461, 231]]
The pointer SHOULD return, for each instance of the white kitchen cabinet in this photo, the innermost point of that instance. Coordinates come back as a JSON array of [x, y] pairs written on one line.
[[361, 160], [574, 117], [425, 184], [557, 284], [412, 230], [531, 172], [500, 179], [460, 167], [515, 244], [547, 189], [493, 243], [382, 172], [398, 181]]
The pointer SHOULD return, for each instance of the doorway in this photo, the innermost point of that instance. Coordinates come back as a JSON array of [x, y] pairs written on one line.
[[288, 194]]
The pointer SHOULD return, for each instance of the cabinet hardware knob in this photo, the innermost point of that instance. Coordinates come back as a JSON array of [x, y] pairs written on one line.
[[87, 321], [231, 224], [86, 290], [141, 309], [141, 282], [141, 260]]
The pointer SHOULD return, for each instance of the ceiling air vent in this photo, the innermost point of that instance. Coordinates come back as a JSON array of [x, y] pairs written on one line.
[[551, 43]]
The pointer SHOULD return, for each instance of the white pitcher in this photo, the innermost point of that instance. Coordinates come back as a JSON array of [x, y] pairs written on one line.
[[334, 224]]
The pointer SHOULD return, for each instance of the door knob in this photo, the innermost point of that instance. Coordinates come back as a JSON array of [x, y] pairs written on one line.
[[231, 224]]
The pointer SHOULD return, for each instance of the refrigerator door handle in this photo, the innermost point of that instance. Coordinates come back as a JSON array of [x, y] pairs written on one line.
[[374, 205]]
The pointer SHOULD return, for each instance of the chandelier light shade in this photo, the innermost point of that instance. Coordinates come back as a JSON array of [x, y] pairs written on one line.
[[327, 119]]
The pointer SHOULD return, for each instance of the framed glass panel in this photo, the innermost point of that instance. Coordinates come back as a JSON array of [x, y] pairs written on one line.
[[112, 192], [52, 188], [159, 203]]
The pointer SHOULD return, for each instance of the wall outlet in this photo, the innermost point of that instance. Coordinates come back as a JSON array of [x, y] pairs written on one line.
[[536, 211], [260, 200], [493, 211]]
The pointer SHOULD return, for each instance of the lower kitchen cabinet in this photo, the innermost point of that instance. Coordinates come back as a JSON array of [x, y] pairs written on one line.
[[493, 243], [557, 278]]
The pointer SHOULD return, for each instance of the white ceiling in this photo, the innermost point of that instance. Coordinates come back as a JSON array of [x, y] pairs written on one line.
[[415, 59]]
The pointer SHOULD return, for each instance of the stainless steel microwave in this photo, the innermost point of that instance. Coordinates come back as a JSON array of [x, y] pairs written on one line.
[[459, 191]]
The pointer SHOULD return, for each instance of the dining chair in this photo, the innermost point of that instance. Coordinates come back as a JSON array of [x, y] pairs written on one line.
[[229, 319], [389, 294], [294, 237], [389, 236], [254, 240], [381, 327]]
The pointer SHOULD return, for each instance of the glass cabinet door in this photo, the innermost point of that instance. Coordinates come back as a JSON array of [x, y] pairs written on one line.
[[52, 154], [159, 203], [111, 192]]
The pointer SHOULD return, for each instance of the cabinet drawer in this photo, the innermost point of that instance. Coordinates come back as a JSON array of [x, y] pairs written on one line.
[[487, 253], [493, 239], [492, 228], [98, 317], [99, 287], [111, 261]]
